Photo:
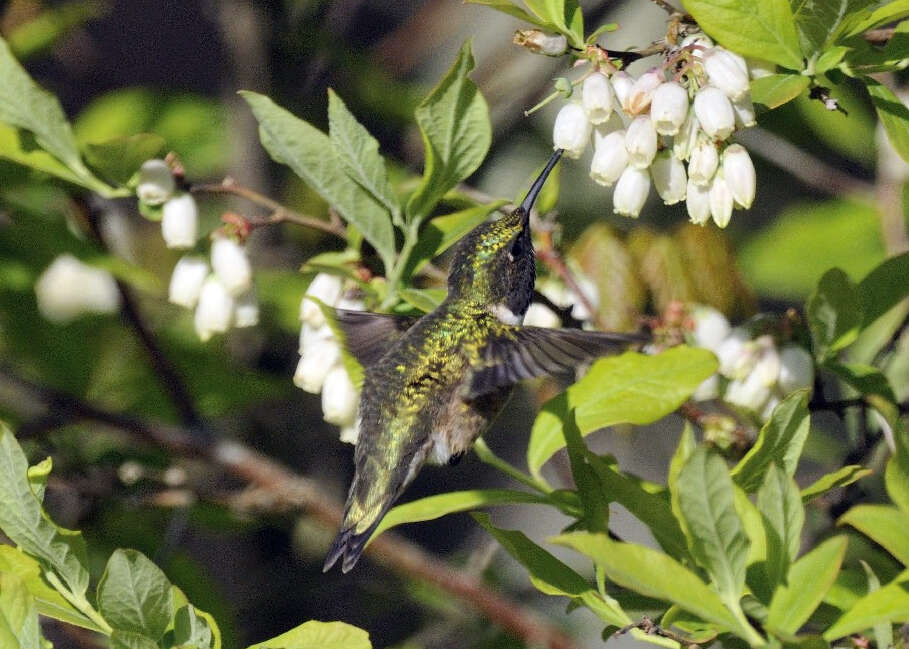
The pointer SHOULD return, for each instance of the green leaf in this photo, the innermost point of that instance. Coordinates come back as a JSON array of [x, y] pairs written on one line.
[[632, 388], [18, 615], [765, 29], [834, 313], [424, 299], [896, 477], [861, 57], [37, 477], [134, 595], [19, 147], [553, 577], [131, 640], [192, 629], [777, 89], [870, 18], [780, 502], [866, 379], [809, 579], [819, 22], [454, 124], [716, 537], [883, 632], [889, 604], [433, 507], [508, 7], [893, 113], [887, 526], [50, 602], [119, 158], [590, 490], [23, 520], [565, 15], [839, 478], [780, 440], [359, 152], [654, 574], [311, 155], [319, 635]]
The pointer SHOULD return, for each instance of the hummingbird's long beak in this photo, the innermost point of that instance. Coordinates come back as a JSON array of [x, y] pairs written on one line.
[[537, 186]]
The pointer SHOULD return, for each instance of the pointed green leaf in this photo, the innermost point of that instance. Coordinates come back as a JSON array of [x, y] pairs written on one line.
[[312, 156], [839, 478], [19, 147], [508, 7], [781, 440], [764, 29], [834, 313], [134, 595], [37, 477], [131, 640], [883, 632], [631, 388], [889, 605], [553, 577], [884, 287], [191, 629], [564, 15], [590, 490], [423, 299], [119, 158], [896, 477], [774, 90], [18, 614], [885, 525], [319, 635], [780, 502], [893, 113], [873, 17], [819, 22], [454, 123], [866, 379]]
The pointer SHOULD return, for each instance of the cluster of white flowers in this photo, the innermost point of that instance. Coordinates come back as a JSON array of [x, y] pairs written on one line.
[[754, 373], [69, 288], [540, 315], [222, 299], [645, 130], [321, 368], [179, 213]]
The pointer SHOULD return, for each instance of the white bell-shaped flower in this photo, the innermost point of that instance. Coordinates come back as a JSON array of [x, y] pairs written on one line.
[[180, 221], [609, 157], [669, 108], [638, 99], [727, 71], [156, 182], [622, 83], [739, 173], [540, 42], [697, 202], [315, 364], [744, 112], [631, 192], [69, 288], [339, 397], [641, 142], [714, 112], [215, 309], [750, 392], [186, 281], [539, 315], [735, 354], [796, 369], [708, 389], [669, 177], [231, 265], [703, 162], [721, 200], [327, 289], [571, 130], [597, 98], [246, 310], [711, 328], [687, 137], [767, 365]]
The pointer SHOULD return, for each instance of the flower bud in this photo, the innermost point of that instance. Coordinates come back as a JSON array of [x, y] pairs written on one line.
[[641, 93], [315, 364], [735, 354], [796, 369], [697, 202], [186, 281], [540, 42], [231, 265], [571, 130], [246, 310], [339, 397], [215, 310], [703, 162], [669, 108], [711, 328], [744, 112], [767, 365], [69, 288], [687, 137], [700, 39], [739, 173], [324, 287], [751, 392], [609, 157], [180, 221], [714, 112], [669, 178], [641, 142], [156, 182], [539, 315], [631, 192], [622, 83], [721, 200], [597, 98], [708, 389], [726, 71]]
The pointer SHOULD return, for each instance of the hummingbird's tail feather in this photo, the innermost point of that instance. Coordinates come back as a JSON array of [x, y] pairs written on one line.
[[537, 186], [349, 544]]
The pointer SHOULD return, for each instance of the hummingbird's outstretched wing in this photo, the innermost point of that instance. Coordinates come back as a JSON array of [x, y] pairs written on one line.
[[367, 336], [518, 353]]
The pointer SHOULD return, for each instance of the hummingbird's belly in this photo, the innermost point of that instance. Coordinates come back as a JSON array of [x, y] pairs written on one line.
[[461, 422]]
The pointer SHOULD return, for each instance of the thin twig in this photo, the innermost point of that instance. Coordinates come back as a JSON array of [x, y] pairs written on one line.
[[295, 491]]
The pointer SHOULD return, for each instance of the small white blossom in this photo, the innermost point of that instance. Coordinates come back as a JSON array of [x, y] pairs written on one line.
[[622, 84], [767, 365], [186, 281], [610, 157], [739, 173], [669, 108], [315, 364], [246, 310], [714, 112], [180, 221], [721, 200], [231, 265], [697, 202], [641, 141], [770, 406], [539, 315], [642, 90], [744, 112], [69, 288], [751, 392], [708, 389], [540, 42], [215, 310], [727, 71], [711, 327], [735, 354], [572, 129], [327, 289], [703, 162], [687, 137], [156, 182], [597, 98], [631, 192], [339, 397], [796, 369], [669, 178]]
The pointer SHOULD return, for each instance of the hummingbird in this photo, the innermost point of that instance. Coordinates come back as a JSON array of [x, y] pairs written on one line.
[[433, 384]]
